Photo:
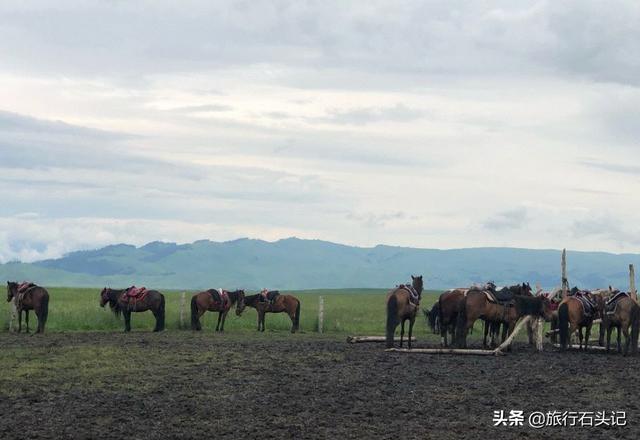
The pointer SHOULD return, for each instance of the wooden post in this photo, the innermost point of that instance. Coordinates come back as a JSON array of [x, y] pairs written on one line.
[[182, 304], [513, 334], [565, 281], [320, 314], [539, 346], [632, 283]]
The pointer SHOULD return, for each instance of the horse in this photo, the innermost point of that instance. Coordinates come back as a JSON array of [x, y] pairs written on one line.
[[282, 303], [402, 305], [625, 315], [203, 301], [432, 317], [449, 304], [152, 300], [572, 317], [30, 297], [477, 305]]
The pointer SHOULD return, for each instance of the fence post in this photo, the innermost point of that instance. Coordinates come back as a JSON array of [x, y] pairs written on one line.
[[565, 281], [320, 313], [632, 283], [182, 303]]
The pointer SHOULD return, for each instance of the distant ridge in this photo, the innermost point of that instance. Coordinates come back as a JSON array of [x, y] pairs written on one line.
[[294, 263]]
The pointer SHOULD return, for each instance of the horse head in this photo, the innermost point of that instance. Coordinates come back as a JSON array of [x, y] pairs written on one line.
[[240, 302], [526, 289], [11, 290], [417, 284], [105, 297]]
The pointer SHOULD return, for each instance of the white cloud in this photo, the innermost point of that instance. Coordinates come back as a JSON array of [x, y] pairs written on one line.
[[436, 125]]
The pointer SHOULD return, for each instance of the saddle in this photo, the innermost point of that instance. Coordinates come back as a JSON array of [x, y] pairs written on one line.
[[22, 290], [219, 296], [588, 306], [612, 302], [504, 295], [135, 293], [414, 298]]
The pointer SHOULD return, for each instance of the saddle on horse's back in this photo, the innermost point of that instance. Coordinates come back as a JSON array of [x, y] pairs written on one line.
[[219, 295], [587, 305], [135, 293], [270, 296], [24, 286], [414, 298], [612, 302]]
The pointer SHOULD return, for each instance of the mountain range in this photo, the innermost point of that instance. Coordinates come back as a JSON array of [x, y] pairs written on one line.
[[307, 264]]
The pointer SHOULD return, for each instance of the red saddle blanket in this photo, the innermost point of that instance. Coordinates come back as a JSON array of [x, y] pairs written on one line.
[[136, 293], [25, 285]]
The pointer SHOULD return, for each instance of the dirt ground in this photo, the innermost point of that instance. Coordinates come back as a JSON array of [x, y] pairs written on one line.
[[181, 385]]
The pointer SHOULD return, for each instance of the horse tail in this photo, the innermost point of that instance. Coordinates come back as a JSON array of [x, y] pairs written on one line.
[[392, 321], [296, 321], [461, 324], [44, 312], [635, 328], [433, 317], [195, 321], [161, 314], [563, 325]]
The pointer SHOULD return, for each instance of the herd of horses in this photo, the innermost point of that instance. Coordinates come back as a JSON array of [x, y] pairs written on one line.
[[29, 296], [453, 315], [457, 310]]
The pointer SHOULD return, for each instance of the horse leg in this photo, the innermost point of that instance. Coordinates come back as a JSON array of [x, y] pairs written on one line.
[[224, 318], [262, 319], [586, 337], [401, 331], [219, 319], [19, 321], [486, 331], [625, 335], [609, 330], [26, 319], [411, 321], [627, 339], [580, 337], [127, 320]]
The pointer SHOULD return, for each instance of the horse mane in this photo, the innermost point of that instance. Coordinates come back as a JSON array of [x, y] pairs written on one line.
[[233, 296], [249, 300], [113, 296], [529, 305]]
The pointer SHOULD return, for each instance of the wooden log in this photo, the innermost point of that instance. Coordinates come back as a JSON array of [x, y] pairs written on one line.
[[513, 334], [446, 351], [576, 346], [539, 339], [357, 339], [320, 314], [632, 283]]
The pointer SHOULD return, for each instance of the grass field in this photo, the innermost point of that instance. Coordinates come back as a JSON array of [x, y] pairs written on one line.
[[346, 311]]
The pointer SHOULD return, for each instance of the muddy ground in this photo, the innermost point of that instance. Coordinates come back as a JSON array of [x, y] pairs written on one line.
[[181, 385]]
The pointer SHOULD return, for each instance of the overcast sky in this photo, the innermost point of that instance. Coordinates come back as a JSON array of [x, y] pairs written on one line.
[[429, 124]]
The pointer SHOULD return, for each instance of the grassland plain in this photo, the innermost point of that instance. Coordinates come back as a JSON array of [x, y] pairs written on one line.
[[346, 311]]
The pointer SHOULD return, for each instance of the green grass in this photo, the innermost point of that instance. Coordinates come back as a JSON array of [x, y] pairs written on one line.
[[346, 311]]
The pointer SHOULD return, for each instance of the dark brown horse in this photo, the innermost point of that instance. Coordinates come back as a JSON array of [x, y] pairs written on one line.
[[402, 305], [29, 297], [479, 303], [212, 301], [625, 316], [119, 303], [572, 317], [449, 305], [288, 304]]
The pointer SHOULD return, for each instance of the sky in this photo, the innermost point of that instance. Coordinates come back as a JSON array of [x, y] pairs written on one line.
[[426, 124]]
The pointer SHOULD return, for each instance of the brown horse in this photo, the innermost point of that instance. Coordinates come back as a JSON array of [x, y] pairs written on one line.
[[119, 303], [402, 305], [572, 317], [625, 315], [449, 305], [210, 300], [30, 297], [282, 303]]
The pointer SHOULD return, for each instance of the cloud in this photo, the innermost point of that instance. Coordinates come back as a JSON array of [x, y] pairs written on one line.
[[367, 115], [511, 219], [611, 167]]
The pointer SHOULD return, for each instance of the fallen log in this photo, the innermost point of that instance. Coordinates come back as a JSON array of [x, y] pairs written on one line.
[[576, 346], [466, 351], [357, 339]]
